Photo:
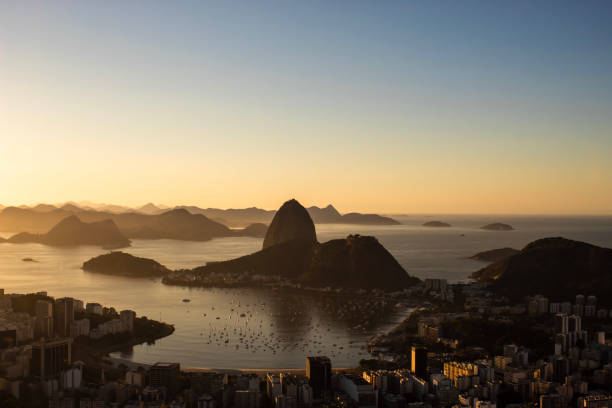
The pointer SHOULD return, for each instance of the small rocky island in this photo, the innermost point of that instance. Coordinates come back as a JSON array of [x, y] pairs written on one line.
[[494, 255], [124, 264], [436, 224], [497, 226]]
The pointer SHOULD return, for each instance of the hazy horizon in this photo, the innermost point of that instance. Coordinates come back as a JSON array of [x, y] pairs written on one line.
[[395, 108], [164, 206]]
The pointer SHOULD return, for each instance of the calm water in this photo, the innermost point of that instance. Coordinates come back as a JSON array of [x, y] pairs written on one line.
[[277, 329]]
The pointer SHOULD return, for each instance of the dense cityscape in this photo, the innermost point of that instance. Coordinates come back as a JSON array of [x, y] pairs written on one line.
[[50, 356]]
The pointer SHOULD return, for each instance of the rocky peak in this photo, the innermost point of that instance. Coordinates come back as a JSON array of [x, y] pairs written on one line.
[[291, 222]]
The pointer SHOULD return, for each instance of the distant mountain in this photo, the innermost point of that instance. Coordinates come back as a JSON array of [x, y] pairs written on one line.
[[72, 208], [174, 224], [44, 207], [365, 219], [234, 217], [327, 215], [497, 226], [324, 215], [555, 267], [291, 222], [71, 231], [150, 209], [124, 264], [254, 230], [44, 216], [436, 224], [26, 219], [494, 255]]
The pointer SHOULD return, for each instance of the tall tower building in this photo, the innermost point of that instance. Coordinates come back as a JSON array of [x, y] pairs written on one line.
[[63, 316], [419, 362], [50, 357], [318, 371], [44, 319]]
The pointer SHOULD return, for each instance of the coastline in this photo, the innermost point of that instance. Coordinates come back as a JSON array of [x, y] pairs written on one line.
[[187, 369]]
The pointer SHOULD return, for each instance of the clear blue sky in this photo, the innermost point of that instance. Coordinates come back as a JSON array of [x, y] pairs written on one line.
[[424, 106]]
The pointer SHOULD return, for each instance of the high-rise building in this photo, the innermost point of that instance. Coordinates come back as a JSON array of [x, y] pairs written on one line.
[[166, 375], [50, 357], [44, 319], [561, 323], [561, 369], [419, 362], [575, 323], [318, 371], [63, 316]]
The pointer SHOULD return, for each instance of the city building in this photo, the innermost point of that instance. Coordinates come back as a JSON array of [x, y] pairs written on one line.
[[50, 357], [318, 371], [418, 361]]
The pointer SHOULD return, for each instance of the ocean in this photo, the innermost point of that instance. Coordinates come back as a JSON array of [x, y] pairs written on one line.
[[263, 328]]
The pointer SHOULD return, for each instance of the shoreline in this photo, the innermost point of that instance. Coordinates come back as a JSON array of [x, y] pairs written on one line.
[[188, 369]]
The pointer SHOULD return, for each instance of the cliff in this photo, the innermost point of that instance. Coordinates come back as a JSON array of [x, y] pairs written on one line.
[[555, 267]]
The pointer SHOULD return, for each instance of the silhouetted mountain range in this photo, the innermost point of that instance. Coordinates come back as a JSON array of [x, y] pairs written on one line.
[[326, 215], [71, 231], [33, 219], [174, 224], [555, 267]]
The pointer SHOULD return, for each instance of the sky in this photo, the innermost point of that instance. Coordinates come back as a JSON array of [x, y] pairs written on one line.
[[391, 107]]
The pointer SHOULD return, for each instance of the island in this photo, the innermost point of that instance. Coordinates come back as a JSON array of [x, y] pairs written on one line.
[[436, 224], [494, 255], [124, 264], [497, 226]]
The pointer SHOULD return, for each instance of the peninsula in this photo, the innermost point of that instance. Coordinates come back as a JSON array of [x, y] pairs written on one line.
[[554, 267]]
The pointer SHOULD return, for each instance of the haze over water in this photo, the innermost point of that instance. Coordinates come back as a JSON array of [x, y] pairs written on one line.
[[281, 327]]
